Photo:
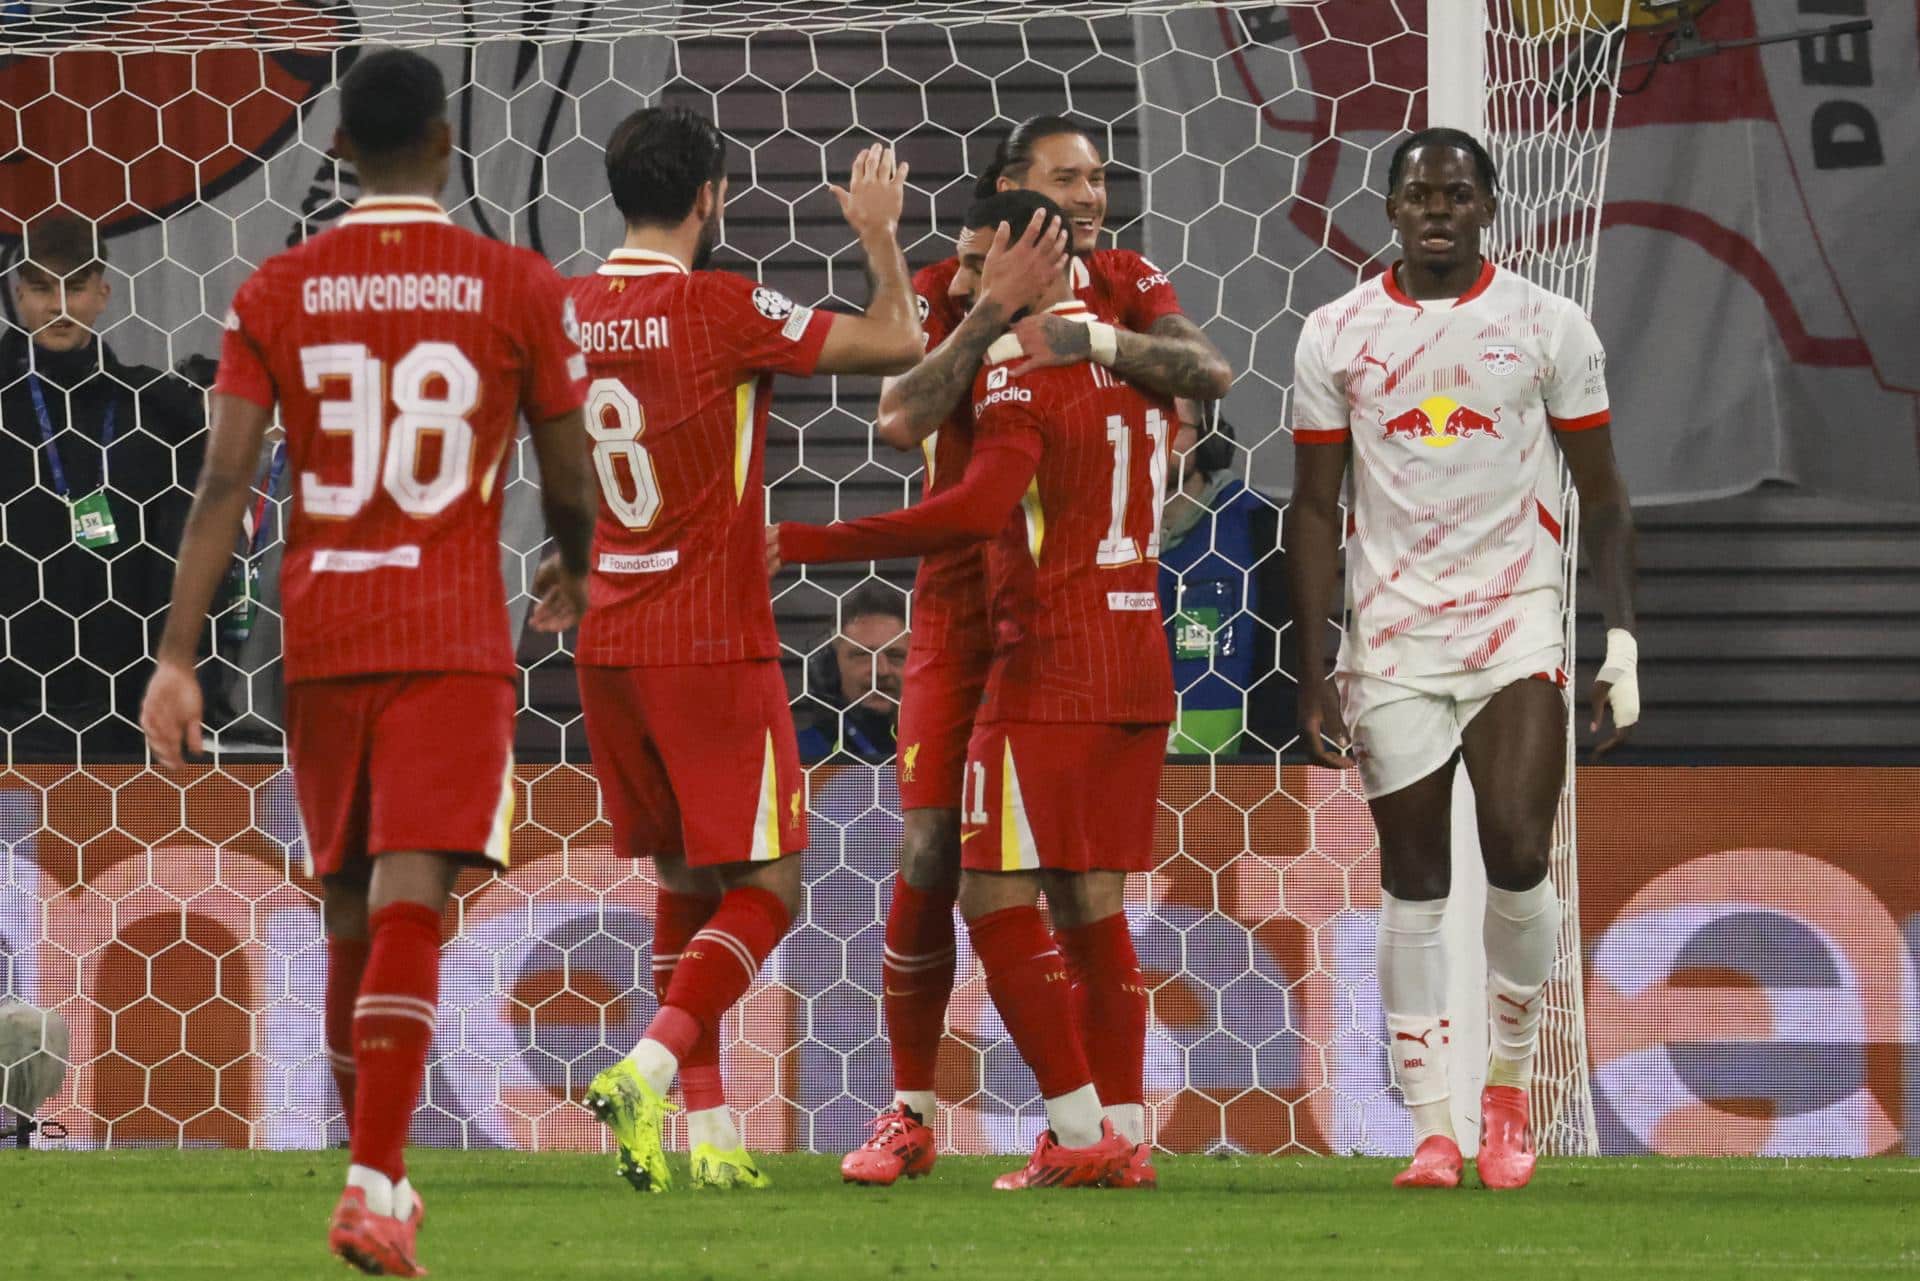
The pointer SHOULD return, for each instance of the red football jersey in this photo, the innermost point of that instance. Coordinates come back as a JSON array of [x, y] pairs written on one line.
[[950, 590], [682, 365], [402, 350], [1076, 574]]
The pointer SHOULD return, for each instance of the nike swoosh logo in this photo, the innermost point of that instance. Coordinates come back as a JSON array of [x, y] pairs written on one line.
[[967, 836]]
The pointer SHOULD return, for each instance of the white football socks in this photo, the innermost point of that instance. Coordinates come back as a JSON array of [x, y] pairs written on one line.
[[377, 1186], [921, 1101], [655, 1064], [1521, 930], [1074, 1118], [713, 1126], [1129, 1121], [1413, 991]]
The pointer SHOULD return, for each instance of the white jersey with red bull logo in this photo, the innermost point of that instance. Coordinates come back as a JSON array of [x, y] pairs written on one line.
[[1453, 538]]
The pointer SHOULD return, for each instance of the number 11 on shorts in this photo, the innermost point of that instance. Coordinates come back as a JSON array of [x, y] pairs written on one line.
[[975, 785]]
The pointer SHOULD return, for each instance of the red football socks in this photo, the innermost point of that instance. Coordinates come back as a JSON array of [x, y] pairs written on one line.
[[917, 979], [677, 918], [393, 1030], [1027, 979], [716, 967], [346, 963], [1110, 998]]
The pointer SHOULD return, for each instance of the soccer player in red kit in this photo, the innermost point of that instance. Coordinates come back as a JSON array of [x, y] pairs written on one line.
[[1067, 469], [1141, 334], [686, 710], [401, 351]]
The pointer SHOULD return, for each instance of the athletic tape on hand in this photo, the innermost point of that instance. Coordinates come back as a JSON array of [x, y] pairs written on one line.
[[1622, 668], [1103, 342]]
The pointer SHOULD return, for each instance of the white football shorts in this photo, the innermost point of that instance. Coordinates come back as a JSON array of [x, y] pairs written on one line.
[[1406, 727]]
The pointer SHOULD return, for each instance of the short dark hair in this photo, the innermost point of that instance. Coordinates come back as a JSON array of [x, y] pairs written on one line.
[[1441, 136], [1016, 149], [61, 246], [389, 100], [658, 158], [873, 599], [1015, 208]]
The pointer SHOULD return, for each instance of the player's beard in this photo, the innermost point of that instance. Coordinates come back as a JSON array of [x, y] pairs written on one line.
[[709, 237]]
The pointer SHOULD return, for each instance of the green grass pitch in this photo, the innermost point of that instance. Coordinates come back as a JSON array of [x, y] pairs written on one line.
[[112, 1215]]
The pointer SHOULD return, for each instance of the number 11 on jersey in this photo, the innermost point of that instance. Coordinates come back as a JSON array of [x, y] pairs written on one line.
[[1118, 547]]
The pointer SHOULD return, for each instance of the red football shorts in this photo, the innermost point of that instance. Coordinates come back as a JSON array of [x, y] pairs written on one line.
[[939, 695], [1065, 797], [697, 760], [413, 761]]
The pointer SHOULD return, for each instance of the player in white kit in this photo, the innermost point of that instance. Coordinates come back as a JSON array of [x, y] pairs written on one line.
[[1448, 384]]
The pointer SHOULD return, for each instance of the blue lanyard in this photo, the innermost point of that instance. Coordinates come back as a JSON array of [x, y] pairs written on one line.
[[53, 450], [276, 468]]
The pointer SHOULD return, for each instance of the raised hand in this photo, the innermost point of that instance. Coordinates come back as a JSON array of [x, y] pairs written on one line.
[[872, 199], [1020, 272]]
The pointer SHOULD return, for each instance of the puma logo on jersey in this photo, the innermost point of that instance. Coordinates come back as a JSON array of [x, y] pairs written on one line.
[[1420, 1040]]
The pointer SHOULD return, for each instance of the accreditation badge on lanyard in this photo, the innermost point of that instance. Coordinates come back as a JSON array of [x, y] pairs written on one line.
[[91, 516]]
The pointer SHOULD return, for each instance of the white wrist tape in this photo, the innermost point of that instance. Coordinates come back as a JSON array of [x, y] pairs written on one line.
[[1104, 342], [1622, 668]]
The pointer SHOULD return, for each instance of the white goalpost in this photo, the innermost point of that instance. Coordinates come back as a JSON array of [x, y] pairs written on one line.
[[168, 921]]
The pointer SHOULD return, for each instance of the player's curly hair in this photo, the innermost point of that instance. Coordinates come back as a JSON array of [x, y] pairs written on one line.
[[389, 100], [1441, 136], [658, 158]]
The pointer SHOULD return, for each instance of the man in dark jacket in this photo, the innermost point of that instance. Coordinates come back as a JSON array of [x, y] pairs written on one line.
[[97, 464], [852, 707]]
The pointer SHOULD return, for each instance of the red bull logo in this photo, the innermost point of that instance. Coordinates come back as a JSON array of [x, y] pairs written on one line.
[[1439, 421]]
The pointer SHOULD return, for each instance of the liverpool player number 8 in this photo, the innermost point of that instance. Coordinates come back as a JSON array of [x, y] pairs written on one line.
[[359, 415], [621, 439]]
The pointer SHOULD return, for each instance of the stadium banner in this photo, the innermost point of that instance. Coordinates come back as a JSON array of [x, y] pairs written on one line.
[[1756, 285], [1751, 939]]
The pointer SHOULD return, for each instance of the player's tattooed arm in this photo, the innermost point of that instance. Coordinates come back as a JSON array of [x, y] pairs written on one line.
[[1174, 358], [913, 406], [170, 713], [1311, 531]]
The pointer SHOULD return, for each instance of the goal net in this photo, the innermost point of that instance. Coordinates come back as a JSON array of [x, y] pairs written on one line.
[[168, 919]]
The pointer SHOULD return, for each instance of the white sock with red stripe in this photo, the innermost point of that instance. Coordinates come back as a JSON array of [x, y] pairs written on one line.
[[1521, 930], [1413, 992]]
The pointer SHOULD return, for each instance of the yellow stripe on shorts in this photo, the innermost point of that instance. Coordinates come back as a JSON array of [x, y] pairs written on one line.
[[766, 815], [1018, 853]]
